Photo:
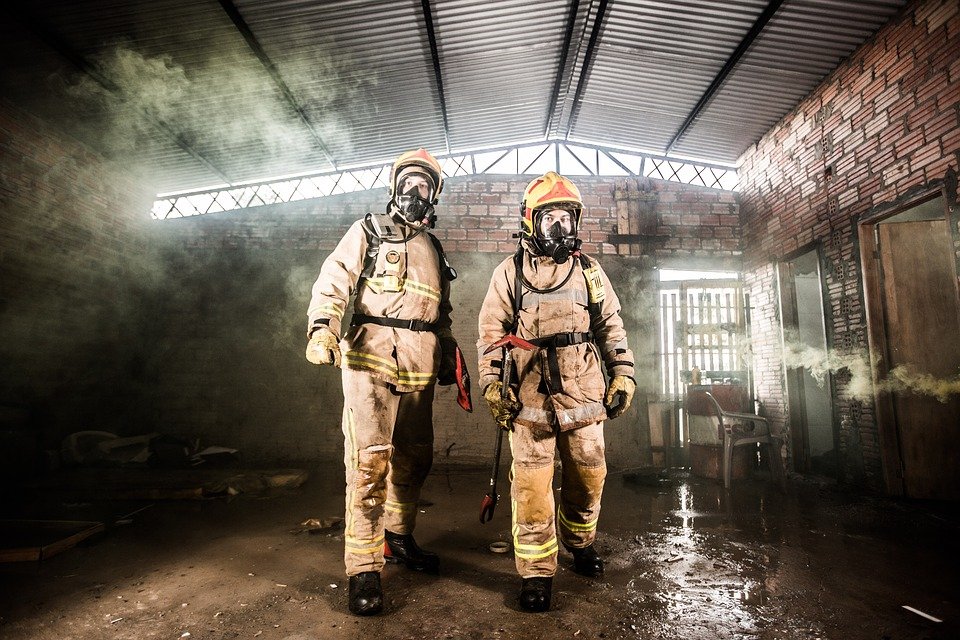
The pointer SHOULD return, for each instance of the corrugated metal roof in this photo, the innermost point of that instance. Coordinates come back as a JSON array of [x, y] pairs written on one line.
[[803, 42], [353, 82]]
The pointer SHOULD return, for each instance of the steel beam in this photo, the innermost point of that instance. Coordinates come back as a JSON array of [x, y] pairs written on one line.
[[564, 51], [728, 66], [435, 56], [241, 25], [585, 68], [77, 60]]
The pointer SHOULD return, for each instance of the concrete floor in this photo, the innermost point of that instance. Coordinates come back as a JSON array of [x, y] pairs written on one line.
[[684, 560]]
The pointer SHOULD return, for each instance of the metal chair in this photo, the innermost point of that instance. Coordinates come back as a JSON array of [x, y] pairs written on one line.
[[746, 428]]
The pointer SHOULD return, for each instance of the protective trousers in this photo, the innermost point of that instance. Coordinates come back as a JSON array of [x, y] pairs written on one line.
[[388, 450], [534, 525]]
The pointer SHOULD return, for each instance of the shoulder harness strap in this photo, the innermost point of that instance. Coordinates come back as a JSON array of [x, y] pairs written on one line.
[[593, 305], [373, 247], [446, 270], [517, 287]]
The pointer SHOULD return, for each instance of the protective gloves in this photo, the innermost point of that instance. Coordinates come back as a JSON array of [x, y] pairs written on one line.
[[504, 410], [324, 348], [619, 394]]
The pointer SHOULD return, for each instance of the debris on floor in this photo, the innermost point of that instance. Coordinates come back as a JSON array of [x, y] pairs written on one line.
[[35, 540], [318, 525]]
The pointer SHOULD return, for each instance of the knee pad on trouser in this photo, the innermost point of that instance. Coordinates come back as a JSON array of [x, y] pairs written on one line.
[[579, 509], [366, 495], [534, 531], [408, 471]]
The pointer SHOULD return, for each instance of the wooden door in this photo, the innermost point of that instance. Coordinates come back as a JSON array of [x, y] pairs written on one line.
[[922, 327]]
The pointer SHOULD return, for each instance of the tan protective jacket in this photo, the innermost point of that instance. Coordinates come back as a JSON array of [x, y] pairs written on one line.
[[580, 401], [406, 284]]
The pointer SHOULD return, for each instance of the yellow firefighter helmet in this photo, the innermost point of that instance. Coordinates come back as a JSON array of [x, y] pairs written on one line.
[[549, 191]]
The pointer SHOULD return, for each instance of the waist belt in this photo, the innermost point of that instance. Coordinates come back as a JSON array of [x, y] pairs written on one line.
[[396, 323], [551, 344]]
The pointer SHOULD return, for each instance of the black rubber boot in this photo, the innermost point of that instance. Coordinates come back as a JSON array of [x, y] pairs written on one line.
[[586, 562], [366, 594], [535, 594], [403, 548]]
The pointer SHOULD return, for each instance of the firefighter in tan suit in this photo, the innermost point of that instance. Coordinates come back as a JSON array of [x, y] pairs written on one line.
[[560, 300], [397, 345]]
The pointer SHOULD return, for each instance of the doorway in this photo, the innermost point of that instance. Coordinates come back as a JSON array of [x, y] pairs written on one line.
[[814, 438], [914, 320]]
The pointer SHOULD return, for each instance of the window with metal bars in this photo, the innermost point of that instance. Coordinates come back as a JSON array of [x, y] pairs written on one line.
[[702, 326]]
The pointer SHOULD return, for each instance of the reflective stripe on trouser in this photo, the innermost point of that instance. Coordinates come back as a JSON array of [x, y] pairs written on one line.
[[533, 507], [388, 450]]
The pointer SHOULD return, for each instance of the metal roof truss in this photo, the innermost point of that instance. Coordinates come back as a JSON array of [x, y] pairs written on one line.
[[565, 158]]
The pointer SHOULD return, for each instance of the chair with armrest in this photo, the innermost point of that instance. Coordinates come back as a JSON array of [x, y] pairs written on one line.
[[741, 429]]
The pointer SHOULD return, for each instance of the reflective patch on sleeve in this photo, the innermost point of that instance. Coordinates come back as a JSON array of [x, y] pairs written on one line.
[[330, 309]]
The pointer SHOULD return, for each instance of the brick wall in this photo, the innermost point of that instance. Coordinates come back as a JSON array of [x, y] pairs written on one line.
[[230, 368], [71, 245], [673, 222], [885, 124]]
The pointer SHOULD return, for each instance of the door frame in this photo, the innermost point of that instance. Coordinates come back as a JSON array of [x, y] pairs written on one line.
[[875, 307], [793, 379]]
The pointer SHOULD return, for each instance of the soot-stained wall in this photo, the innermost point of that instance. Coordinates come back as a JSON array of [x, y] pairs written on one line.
[[74, 258]]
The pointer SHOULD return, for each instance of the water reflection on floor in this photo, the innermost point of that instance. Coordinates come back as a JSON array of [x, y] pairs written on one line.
[[693, 560]]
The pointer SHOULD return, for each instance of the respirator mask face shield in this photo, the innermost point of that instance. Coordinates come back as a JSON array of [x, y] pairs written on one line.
[[556, 234], [414, 200]]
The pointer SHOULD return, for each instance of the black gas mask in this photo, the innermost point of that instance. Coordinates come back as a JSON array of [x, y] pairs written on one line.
[[556, 242], [412, 208]]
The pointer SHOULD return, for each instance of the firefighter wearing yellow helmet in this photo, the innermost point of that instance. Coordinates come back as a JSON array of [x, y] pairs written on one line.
[[397, 347], [560, 300]]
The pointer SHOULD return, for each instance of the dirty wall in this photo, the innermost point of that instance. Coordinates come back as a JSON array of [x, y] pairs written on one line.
[[883, 126], [227, 360], [73, 259]]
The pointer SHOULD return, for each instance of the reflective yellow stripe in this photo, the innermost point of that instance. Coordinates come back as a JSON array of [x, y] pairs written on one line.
[[375, 549], [535, 552], [363, 545], [575, 526], [423, 289], [329, 308], [371, 363], [389, 367], [373, 360], [526, 551], [413, 376], [375, 284], [400, 507], [552, 542], [352, 435], [419, 288]]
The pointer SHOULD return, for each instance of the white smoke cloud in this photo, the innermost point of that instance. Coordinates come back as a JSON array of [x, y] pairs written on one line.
[[222, 106], [861, 386], [902, 378]]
